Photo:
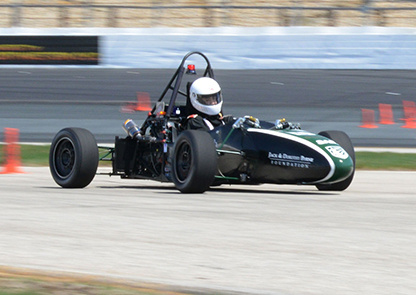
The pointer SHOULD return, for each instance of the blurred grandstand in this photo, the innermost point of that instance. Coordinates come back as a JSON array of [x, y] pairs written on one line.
[[205, 13]]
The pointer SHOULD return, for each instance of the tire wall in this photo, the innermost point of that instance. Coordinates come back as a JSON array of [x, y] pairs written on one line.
[[248, 48]]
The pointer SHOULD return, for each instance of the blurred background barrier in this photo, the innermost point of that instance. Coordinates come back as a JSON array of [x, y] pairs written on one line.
[[238, 47], [206, 13], [240, 34]]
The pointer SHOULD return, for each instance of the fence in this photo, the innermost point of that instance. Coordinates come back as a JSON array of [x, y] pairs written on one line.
[[71, 15]]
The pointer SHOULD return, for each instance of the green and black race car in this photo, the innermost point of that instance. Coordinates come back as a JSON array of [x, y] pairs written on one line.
[[245, 151]]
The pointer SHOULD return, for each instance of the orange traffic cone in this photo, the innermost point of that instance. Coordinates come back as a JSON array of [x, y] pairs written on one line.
[[409, 109], [386, 114], [368, 119], [11, 152], [143, 102]]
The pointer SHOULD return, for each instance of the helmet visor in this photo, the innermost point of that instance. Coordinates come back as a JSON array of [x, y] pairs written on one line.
[[209, 99]]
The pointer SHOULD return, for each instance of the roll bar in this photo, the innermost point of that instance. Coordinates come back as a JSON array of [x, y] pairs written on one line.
[[175, 82]]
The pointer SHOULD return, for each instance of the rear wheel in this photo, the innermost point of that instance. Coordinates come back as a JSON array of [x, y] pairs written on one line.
[[194, 162], [73, 158], [345, 142]]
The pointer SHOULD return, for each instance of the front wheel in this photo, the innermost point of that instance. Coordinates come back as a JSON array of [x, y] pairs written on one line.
[[73, 158], [345, 142], [194, 162]]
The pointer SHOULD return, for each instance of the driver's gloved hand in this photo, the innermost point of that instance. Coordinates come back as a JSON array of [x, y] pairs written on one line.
[[228, 119], [282, 124]]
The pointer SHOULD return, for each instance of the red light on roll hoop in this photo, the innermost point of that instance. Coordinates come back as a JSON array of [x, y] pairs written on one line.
[[191, 70]]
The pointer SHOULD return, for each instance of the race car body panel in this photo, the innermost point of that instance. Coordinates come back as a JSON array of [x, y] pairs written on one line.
[[280, 156]]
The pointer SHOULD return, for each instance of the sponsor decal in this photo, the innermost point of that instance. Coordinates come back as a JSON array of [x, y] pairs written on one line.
[[325, 141], [305, 142], [337, 151], [283, 159], [49, 50]]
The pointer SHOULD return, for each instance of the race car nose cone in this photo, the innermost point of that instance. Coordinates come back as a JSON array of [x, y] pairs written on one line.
[[343, 169]]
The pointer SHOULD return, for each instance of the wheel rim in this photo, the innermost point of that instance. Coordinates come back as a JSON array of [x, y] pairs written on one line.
[[184, 161], [64, 158]]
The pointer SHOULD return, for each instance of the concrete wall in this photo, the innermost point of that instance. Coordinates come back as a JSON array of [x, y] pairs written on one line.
[[252, 48]]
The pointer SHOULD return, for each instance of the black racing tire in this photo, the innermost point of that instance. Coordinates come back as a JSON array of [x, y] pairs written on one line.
[[73, 158], [194, 162], [345, 142]]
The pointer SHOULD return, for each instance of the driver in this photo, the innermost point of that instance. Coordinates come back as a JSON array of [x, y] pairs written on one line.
[[206, 99]]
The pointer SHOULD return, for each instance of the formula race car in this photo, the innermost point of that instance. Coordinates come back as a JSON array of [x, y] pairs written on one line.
[[245, 151]]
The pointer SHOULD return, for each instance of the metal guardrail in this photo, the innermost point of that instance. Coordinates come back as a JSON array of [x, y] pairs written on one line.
[[89, 15]]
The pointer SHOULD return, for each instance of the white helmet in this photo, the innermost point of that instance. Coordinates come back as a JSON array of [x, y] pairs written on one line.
[[205, 96]]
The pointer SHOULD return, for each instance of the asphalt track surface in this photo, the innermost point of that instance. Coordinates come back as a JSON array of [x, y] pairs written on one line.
[[41, 101], [256, 240], [232, 239]]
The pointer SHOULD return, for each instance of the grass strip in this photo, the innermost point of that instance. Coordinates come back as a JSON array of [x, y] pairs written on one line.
[[34, 155], [385, 161], [30, 155], [15, 285], [38, 155], [21, 281]]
